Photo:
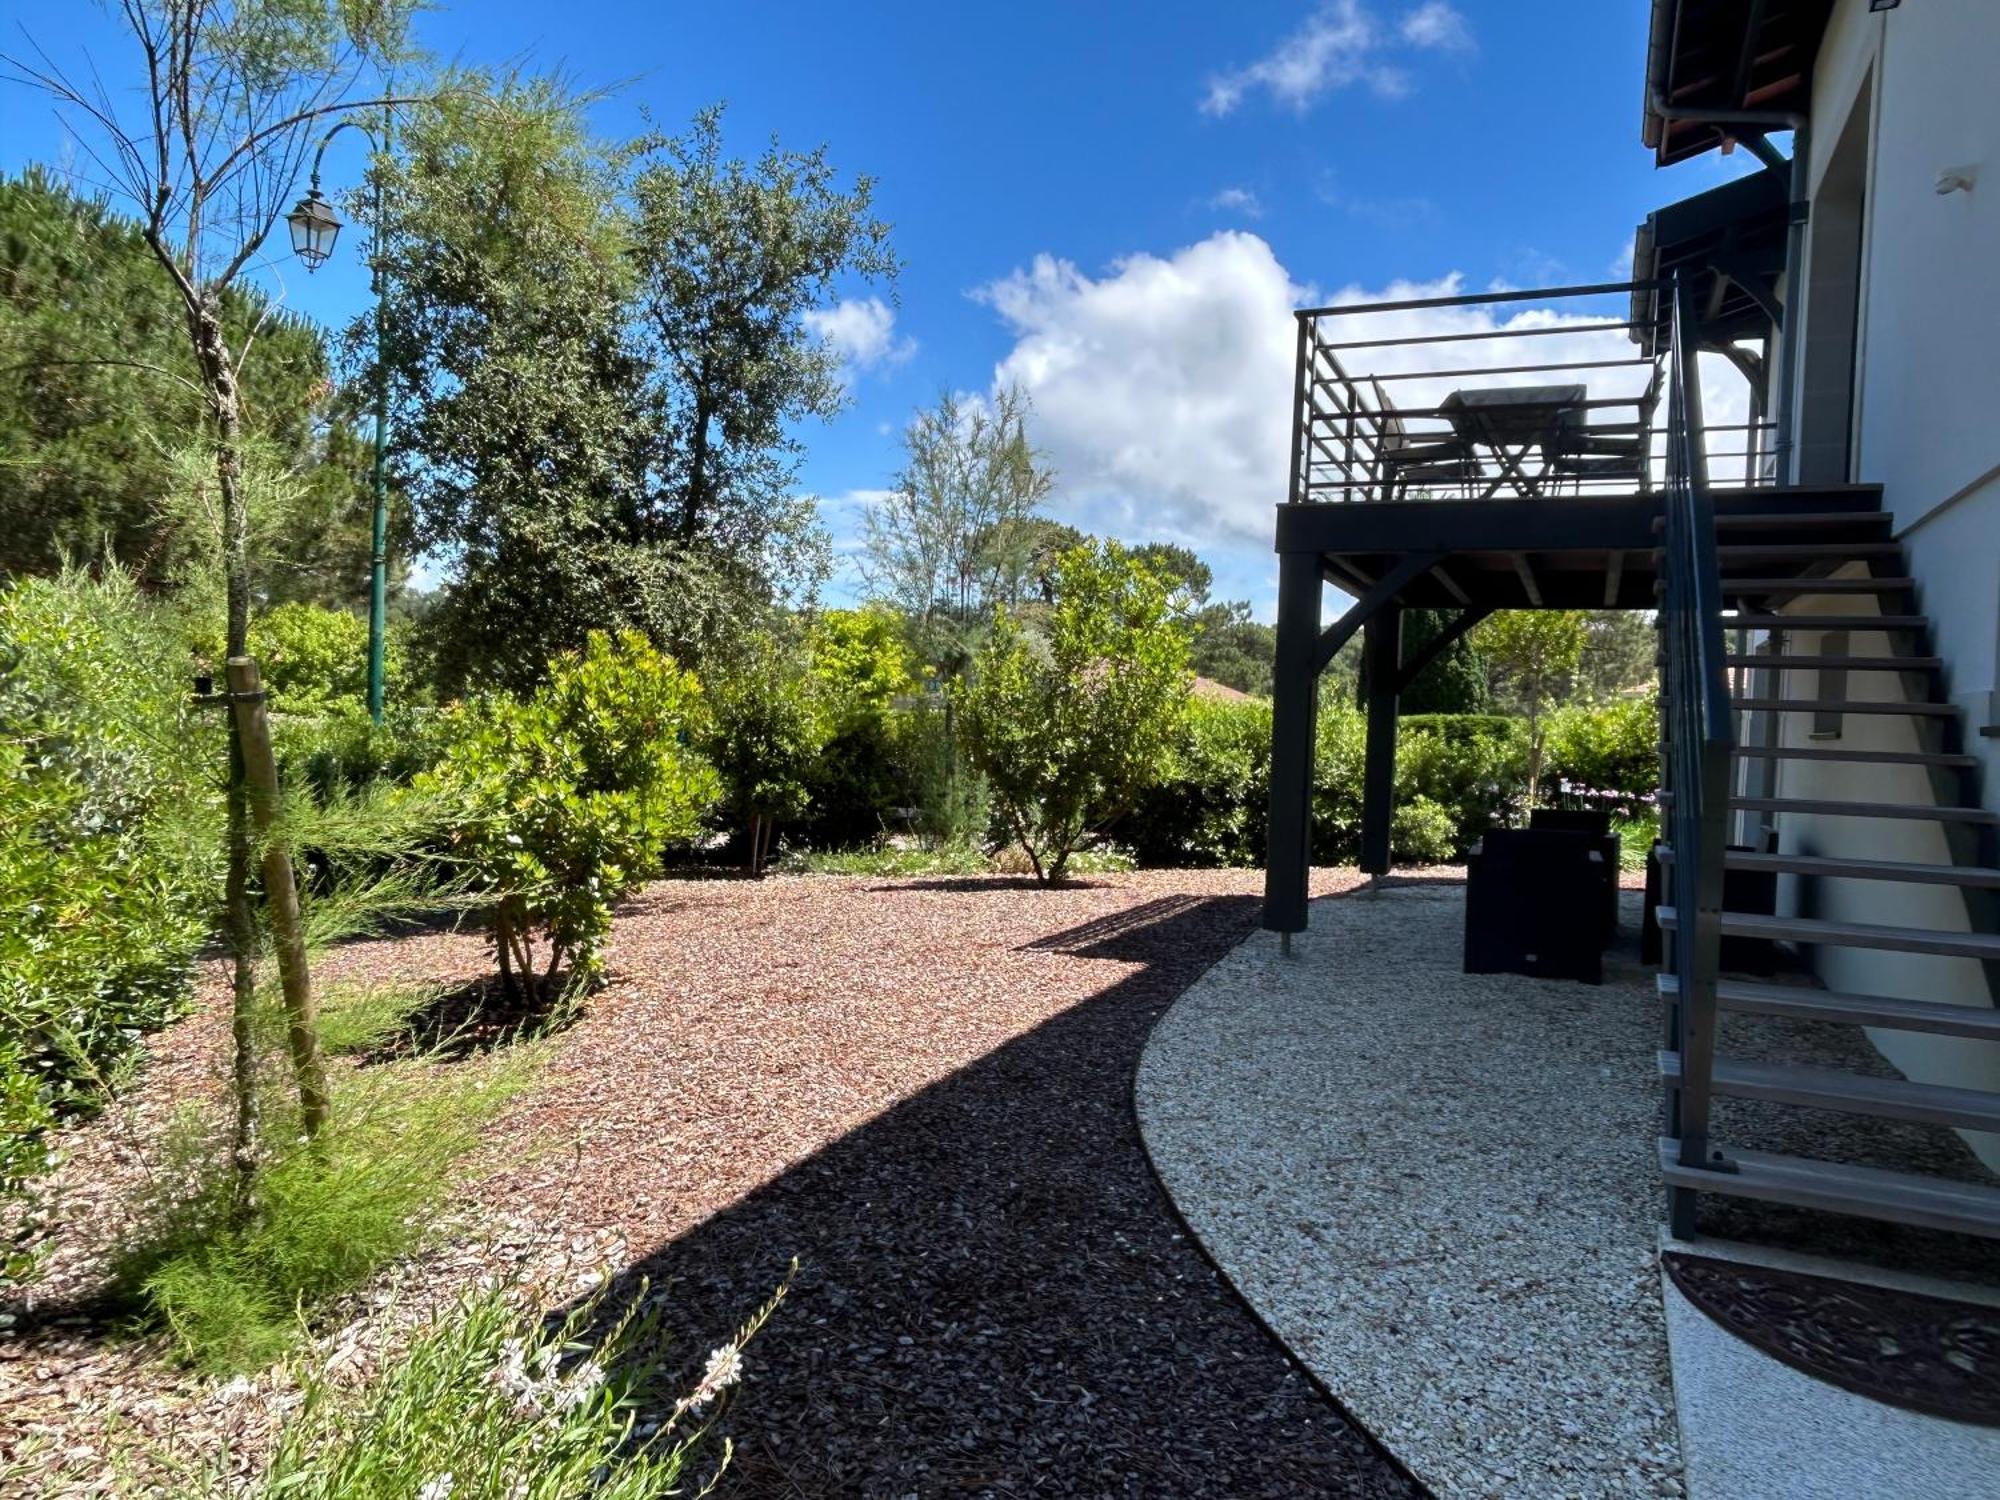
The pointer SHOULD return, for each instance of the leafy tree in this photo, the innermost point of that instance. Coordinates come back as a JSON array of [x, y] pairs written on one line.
[[99, 402], [1233, 649], [1071, 729], [769, 728], [1620, 649], [1534, 654], [598, 355], [957, 535], [730, 258], [521, 418], [564, 800], [1186, 576], [1456, 683], [1228, 646]]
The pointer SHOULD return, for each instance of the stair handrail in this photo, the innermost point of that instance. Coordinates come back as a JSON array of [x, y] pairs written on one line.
[[1699, 734]]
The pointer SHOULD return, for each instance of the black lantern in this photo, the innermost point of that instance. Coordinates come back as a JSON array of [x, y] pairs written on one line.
[[315, 226]]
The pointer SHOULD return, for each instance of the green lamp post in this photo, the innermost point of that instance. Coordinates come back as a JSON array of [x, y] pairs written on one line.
[[315, 227]]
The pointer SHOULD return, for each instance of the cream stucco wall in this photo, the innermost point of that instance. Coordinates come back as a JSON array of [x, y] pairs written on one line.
[[1925, 424]]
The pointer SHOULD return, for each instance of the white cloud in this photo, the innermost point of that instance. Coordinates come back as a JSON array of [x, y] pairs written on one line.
[[1341, 44], [1161, 388], [1438, 26], [1238, 200], [862, 331]]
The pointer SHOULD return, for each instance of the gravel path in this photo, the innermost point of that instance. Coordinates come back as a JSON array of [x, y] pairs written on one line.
[[921, 1089], [1438, 1188]]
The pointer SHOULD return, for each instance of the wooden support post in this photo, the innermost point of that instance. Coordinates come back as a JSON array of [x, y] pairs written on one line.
[[1294, 703], [260, 766], [1382, 647]]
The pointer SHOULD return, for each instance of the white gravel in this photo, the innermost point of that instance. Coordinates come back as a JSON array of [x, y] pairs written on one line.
[[1438, 1188]]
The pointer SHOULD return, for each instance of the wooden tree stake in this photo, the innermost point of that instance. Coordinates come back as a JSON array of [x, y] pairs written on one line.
[[253, 730]]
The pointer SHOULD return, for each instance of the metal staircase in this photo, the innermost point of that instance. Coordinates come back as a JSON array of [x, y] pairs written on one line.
[[1729, 574]]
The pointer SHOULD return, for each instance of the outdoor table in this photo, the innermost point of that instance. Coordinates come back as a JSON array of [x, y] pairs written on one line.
[[1512, 420]]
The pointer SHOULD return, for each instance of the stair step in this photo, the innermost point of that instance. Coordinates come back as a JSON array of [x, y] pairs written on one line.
[[1806, 551], [1736, 586], [1828, 867], [1848, 1093], [1873, 520], [1984, 945], [1837, 1187], [1939, 759], [1802, 1003], [1825, 622], [1832, 807], [1841, 663], [1846, 706]]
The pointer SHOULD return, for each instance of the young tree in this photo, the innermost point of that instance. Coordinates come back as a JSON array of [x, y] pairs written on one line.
[[1534, 653], [1071, 729], [958, 533], [769, 728], [234, 94]]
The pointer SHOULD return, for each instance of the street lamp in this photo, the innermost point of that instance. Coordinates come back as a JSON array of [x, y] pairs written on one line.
[[315, 226]]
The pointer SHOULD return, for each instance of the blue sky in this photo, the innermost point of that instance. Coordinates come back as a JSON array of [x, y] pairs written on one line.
[[1112, 203]]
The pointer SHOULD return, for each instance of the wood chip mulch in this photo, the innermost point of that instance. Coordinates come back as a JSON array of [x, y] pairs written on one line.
[[921, 1090]]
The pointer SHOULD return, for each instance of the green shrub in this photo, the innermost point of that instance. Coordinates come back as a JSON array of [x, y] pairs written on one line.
[[768, 725], [565, 800], [342, 750], [960, 859], [1423, 833], [1469, 765], [493, 1402], [1608, 755], [314, 659], [1339, 754], [1211, 804], [109, 842], [1072, 726], [948, 801]]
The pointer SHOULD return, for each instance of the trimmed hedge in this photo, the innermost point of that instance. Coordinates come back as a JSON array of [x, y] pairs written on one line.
[[1456, 776]]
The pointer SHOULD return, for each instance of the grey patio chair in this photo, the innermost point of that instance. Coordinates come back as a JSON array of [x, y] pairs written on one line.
[[1618, 450], [1404, 458]]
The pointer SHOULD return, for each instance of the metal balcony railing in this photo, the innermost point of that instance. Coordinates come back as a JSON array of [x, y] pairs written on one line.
[[1531, 394]]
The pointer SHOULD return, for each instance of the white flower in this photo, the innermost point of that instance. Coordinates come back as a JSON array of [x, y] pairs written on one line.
[[725, 1368], [437, 1489], [577, 1389]]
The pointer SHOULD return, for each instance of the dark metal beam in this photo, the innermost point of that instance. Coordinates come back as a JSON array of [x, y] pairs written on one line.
[[1407, 571], [1450, 585], [1445, 526], [1294, 699], [1527, 576], [1614, 574], [1438, 644], [1383, 651]]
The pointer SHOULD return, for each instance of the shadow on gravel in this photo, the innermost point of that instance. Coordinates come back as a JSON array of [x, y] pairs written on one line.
[[995, 1296]]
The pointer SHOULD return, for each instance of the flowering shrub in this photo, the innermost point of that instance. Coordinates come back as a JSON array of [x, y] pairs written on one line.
[[1606, 756], [494, 1403]]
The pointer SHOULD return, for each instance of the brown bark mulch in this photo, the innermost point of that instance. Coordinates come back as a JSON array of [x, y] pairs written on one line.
[[921, 1090], [932, 1078]]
